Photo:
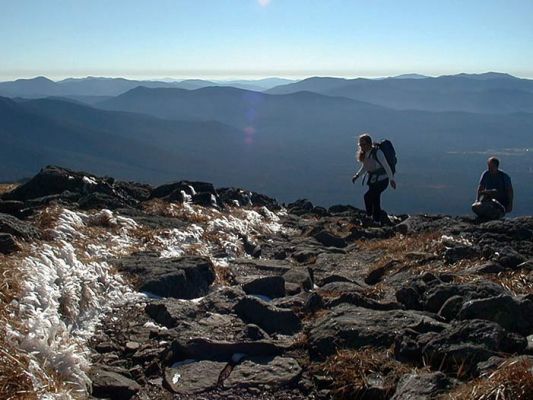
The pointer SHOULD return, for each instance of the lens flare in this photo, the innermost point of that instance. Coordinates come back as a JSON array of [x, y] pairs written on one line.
[[249, 132], [263, 3]]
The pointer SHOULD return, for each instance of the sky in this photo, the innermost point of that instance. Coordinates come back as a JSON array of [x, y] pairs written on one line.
[[249, 39]]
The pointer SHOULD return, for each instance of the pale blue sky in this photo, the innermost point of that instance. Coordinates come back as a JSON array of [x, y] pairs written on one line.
[[257, 38]]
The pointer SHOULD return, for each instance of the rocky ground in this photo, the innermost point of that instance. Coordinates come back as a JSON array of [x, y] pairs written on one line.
[[329, 307]]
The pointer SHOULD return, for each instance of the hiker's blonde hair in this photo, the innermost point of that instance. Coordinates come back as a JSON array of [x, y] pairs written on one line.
[[363, 138]]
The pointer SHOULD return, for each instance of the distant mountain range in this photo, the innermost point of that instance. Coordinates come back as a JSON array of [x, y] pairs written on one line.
[[479, 93], [483, 93], [38, 132], [84, 89], [290, 145]]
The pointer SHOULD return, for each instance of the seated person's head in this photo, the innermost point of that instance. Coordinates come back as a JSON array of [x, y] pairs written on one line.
[[493, 164]]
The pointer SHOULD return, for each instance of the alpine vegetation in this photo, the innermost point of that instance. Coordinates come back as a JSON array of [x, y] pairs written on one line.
[[120, 290]]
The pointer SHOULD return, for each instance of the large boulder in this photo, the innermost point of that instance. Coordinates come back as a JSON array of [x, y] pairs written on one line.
[[53, 180], [180, 277], [349, 326], [513, 314], [430, 295]]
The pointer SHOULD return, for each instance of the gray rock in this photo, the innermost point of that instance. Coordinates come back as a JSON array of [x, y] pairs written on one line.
[[193, 377], [8, 244], [509, 257], [223, 300], [169, 312], [270, 286], [458, 253], [111, 385], [451, 307], [422, 386], [466, 343], [300, 277], [180, 277], [98, 200], [12, 207], [360, 300], [265, 372], [436, 296], [328, 239], [340, 287], [513, 314], [215, 350], [349, 326], [16, 227], [270, 318], [488, 268], [253, 332]]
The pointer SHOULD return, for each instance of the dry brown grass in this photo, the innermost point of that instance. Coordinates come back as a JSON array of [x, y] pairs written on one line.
[[48, 217], [180, 211], [513, 380], [8, 187], [352, 371], [224, 276], [398, 245], [15, 383]]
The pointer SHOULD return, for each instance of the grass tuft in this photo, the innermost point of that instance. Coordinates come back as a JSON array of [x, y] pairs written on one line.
[[354, 372], [513, 380]]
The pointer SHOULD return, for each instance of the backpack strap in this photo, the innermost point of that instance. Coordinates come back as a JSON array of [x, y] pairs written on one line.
[[374, 155]]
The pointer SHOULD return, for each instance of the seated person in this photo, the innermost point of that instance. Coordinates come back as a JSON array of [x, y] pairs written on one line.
[[495, 192]]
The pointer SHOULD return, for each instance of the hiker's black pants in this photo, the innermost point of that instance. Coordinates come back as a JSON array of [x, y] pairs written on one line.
[[373, 198]]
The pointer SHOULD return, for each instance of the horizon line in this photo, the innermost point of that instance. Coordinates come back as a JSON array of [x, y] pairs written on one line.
[[223, 78]]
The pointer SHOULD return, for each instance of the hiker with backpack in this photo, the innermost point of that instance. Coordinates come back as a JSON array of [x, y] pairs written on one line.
[[494, 193], [379, 164]]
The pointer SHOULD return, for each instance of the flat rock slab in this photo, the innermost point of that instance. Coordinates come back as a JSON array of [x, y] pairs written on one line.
[[349, 326], [111, 385], [271, 373], [245, 267], [180, 277], [422, 386], [270, 286], [193, 377], [269, 317], [205, 349]]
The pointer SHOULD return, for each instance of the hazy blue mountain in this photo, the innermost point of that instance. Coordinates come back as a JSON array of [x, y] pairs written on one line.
[[257, 84], [409, 76], [237, 107], [487, 76], [51, 131], [92, 89], [90, 86], [288, 146], [34, 87], [303, 144], [487, 93]]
